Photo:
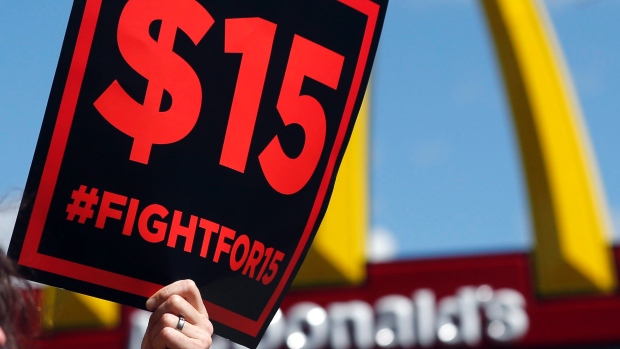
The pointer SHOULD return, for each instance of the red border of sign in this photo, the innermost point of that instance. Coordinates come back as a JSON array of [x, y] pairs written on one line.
[[30, 256]]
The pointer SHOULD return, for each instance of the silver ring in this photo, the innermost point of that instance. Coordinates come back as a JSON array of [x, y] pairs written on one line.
[[181, 323]]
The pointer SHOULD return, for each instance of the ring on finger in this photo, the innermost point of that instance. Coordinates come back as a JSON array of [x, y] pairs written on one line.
[[181, 323]]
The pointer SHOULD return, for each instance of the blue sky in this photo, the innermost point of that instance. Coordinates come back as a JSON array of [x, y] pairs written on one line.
[[445, 172]]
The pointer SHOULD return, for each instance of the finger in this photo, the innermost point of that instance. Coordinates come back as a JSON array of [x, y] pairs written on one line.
[[172, 339], [188, 329], [153, 338], [184, 288], [177, 305]]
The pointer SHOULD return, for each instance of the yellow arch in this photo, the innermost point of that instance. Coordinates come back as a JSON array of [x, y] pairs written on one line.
[[572, 252]]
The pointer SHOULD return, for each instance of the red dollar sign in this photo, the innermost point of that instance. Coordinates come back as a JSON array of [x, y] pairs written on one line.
[[155, 60]]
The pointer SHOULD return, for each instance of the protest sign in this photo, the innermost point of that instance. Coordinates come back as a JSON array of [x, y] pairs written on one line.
[[197, 140]]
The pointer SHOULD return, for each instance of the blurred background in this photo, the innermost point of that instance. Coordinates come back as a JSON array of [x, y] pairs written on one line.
[[451, 246]]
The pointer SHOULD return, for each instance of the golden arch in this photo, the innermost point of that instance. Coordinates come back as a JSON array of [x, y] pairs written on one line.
[[572, 253]]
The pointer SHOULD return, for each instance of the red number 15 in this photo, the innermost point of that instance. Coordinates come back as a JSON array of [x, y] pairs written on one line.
[[253, 38]]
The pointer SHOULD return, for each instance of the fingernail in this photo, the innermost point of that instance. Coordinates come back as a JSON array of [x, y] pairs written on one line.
[[150, 303]]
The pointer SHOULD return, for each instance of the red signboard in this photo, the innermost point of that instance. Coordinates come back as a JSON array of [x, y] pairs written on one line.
[[475, 301], [194, 139], [484, 301]]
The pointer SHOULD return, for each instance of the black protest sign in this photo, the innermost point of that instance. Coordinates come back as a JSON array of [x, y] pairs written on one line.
[[194, 139]]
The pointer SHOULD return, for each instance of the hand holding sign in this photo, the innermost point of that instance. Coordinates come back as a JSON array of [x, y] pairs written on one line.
[[179, 318]]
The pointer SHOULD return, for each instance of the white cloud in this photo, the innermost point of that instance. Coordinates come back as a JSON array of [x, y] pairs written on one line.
[[8, 214], [381, 245]]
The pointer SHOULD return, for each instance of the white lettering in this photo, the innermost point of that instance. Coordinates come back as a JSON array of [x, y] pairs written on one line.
[[356, 315], [307, 327], [400, 322], [507, 317], [425, 305], [395, 322]]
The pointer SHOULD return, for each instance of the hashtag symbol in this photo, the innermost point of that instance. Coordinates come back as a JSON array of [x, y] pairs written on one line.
[[82, 204]]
